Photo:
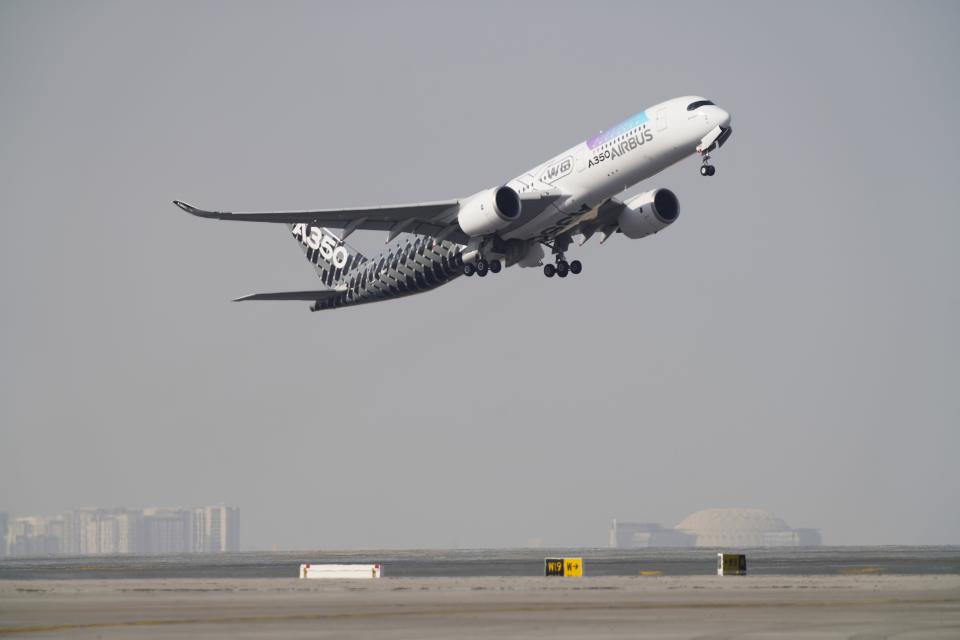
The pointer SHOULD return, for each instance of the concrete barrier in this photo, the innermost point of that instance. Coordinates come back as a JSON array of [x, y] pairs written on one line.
[[333, 571]]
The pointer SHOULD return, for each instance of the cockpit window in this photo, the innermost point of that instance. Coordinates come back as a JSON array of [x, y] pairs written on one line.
[[696, 105]]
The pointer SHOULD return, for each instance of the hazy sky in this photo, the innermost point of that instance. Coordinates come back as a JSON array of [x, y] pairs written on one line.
[[789, 344]]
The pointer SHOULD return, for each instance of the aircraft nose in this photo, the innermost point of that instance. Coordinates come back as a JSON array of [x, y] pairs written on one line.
[[723, 118]]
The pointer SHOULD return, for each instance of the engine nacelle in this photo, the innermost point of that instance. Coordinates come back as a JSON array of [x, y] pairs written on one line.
[[648, 213], [489, 211]]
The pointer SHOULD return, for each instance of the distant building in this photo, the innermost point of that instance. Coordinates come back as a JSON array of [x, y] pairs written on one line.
[[808, 537], [93, 531], [725, 528], [166, 530], [632, 535], [4, 521], [81, 532], [215, 529], [32, 536], [745, 528], [129, 532]]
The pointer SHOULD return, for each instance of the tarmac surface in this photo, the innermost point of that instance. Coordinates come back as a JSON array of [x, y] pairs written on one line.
[[862, 607]]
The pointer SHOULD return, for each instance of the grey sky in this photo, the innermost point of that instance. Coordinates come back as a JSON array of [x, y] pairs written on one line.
[[789, 344]]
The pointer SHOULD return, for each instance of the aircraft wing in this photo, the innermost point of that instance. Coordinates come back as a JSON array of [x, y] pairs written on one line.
[[437, 219], [605, 222]]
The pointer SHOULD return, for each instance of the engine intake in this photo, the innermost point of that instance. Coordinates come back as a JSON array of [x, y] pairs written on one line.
[[648, 213], [489, 211]]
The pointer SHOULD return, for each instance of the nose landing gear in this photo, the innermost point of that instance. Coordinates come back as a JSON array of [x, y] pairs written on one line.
[[707, 169]]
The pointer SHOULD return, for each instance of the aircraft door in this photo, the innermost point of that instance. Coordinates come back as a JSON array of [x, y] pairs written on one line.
[[662, 120], [527, 181]]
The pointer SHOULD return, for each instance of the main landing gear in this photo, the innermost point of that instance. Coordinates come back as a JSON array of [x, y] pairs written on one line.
[[482, 267], [707, 169], [562, 268]]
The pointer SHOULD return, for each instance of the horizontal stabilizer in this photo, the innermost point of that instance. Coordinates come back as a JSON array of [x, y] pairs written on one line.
[[310, 296]]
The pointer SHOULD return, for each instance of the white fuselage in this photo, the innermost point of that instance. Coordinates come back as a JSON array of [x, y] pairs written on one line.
[[597, 169]]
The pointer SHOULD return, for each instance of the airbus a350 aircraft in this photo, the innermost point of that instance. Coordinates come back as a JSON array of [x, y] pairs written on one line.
[[571, 194]]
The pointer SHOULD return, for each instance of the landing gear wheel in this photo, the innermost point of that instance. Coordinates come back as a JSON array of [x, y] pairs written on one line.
[[711, 170], [495, 266], [705, 170], [562, 269], [549, 270], [482, 268], [576, 267], [469, 270]]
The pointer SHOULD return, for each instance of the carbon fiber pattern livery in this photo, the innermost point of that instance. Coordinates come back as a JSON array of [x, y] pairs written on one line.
[[330, 274], [414, 265], [321, 247]]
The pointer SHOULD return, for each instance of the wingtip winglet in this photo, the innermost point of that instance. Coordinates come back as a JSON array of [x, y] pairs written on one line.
[[192, 210]]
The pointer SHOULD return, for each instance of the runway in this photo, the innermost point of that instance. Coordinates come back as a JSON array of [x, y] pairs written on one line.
[[849, 606]]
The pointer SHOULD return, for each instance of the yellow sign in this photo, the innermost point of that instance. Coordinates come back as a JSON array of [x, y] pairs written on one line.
[[566, 567]]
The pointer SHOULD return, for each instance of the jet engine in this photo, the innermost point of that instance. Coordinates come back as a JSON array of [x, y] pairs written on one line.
[[489, 211], [648, 213]]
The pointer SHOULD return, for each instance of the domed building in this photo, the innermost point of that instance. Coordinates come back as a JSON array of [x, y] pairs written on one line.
[[744, 528], [723, 528]]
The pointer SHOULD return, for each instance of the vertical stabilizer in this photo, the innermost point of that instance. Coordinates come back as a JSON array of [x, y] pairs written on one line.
[[329, 255]]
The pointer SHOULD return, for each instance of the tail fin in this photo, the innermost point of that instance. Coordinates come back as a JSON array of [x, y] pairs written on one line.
[[329, 255]]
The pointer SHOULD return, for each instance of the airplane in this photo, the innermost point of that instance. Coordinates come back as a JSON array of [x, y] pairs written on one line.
[[571, 194]]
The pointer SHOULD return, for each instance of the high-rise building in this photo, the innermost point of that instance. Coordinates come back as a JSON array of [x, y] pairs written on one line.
[[107, 534], [28, 536], [81, 532], [54, 534], [4, 521], [215, 529], [166, 530], [93, 531], [129, 532], [120, 531]]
